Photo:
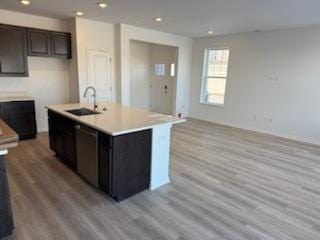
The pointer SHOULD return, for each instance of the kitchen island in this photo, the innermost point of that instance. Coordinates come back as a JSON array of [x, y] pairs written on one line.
[[118, 149]]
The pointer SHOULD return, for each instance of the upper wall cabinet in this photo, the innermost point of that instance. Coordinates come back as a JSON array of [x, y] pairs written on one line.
[[61, 44], [49, 44], [18, 42], [13, 52], [39, 42]]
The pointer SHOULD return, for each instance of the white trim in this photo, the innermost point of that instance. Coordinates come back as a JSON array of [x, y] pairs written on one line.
[[204, 75], [3, 152], [270, 133], [44, 129], [212, 104]]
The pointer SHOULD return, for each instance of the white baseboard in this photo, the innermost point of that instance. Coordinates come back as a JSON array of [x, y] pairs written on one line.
[[40, 130], [286, 136]]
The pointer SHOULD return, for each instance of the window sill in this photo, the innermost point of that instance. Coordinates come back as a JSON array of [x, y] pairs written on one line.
[[212, 104]]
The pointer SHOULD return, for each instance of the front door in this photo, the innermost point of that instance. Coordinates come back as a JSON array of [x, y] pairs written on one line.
[[99, 74], [161, 87]]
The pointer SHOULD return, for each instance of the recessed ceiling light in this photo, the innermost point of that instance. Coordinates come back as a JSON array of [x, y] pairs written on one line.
[[158, 19], [210, 32], [102, 4], [25, 2], [79, 13]]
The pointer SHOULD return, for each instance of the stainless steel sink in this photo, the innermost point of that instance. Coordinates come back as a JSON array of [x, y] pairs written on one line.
[[82, 111]]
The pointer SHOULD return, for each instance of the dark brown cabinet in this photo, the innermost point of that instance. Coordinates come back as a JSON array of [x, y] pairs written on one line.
[[130, 164], [2, 113], [61, 44], [48, 44], [6, 219], [13, 51], [56, 137], [16, 43], [105, 161], [124, 161], [39, 43], [62, 139], [20, 116]]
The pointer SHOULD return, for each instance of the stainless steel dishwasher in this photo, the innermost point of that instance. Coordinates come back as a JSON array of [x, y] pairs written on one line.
[[87, 153]]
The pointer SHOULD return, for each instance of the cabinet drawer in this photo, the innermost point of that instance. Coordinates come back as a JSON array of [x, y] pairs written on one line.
[[20, 106], [61, 120]]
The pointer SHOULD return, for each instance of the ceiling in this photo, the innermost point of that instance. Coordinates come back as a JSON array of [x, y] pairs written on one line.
[[191, 18]]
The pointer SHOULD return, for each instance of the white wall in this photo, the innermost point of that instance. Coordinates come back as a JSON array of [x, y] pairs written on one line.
[[125, 33], [48, 78], [73, 62], [273, 83], [92, 35], [140, 54]]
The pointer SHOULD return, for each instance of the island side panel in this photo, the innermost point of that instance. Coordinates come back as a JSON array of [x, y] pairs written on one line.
[[131, 164], [160, 156]]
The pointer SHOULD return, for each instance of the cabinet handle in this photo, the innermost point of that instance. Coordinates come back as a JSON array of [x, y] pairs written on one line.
[[77, 127], [0, 67]]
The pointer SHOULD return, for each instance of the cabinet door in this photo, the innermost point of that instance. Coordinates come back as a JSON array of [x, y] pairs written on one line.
[[62, 138], [20, 116], [58, 139], [13, 53], [69, 149], [61, 44], [52, 135], [2, 113], [131, 163], [105, 156], [105, 160], [38, 42]]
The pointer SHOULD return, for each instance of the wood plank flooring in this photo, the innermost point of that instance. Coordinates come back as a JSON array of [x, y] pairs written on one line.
[[226, 184]]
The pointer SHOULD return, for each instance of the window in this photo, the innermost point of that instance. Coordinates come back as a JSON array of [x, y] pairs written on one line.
[[172, 69], [160, 69], [215, 76]]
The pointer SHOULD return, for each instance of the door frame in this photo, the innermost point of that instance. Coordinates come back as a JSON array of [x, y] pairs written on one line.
[[175, 78]]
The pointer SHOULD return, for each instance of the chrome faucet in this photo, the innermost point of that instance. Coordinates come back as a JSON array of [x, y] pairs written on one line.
[[94, 95]]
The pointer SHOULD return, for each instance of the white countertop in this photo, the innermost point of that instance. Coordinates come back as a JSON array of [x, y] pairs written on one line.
[[14, 96], [117, 119]]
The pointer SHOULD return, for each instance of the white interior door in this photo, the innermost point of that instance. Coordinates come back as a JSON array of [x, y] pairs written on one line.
[[99, 74], [161, 87]]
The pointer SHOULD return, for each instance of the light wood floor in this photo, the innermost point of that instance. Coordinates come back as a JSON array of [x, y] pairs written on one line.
[[226, 184]]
